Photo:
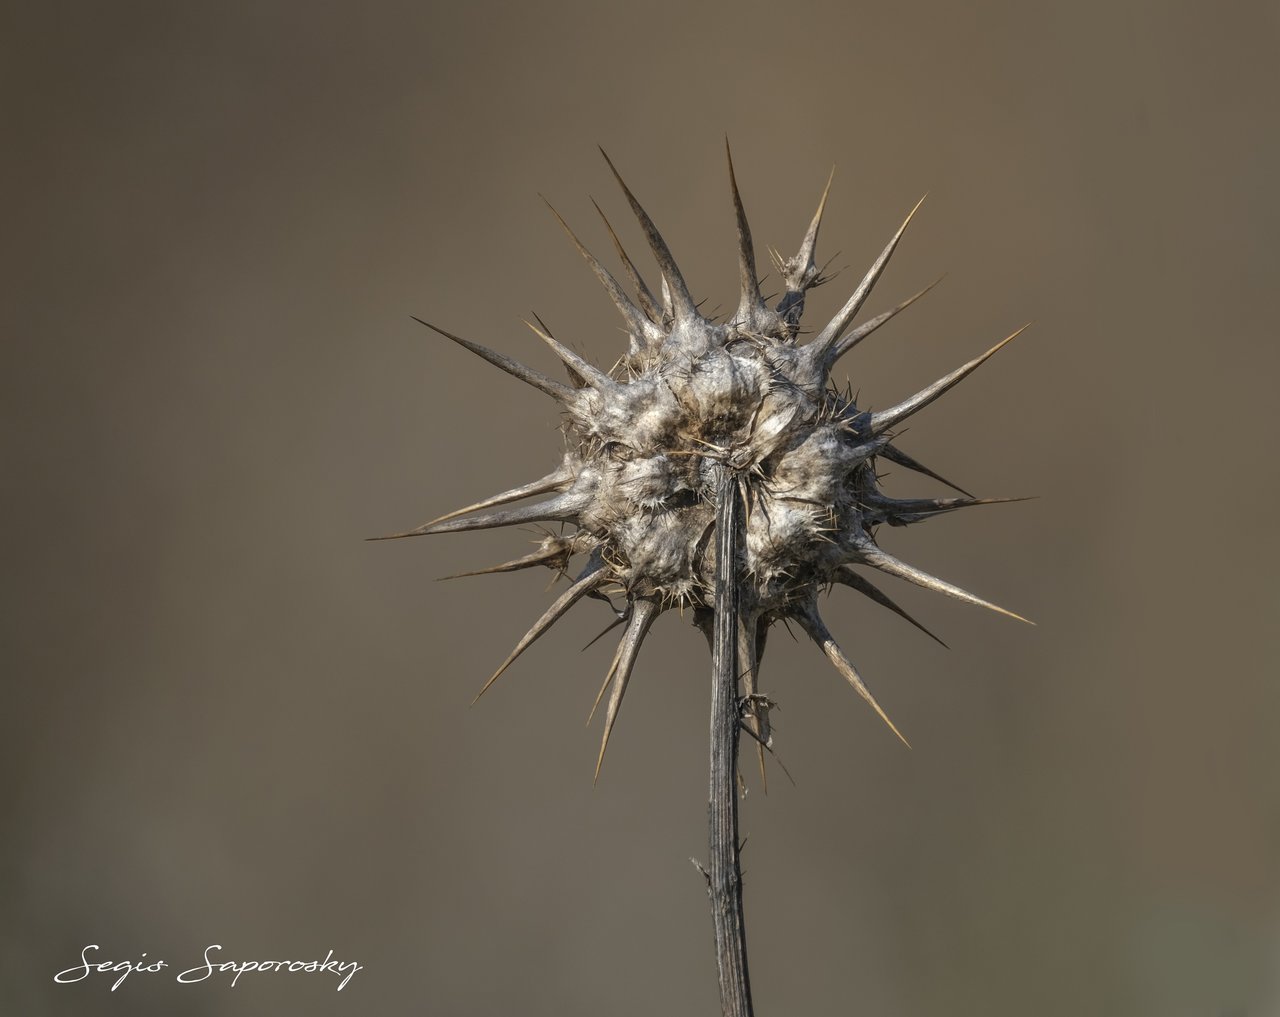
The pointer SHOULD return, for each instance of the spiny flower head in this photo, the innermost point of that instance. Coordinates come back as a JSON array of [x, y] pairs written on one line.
[[646, 440]]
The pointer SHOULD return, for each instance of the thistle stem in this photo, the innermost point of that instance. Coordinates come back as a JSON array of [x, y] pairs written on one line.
[[724, 874]]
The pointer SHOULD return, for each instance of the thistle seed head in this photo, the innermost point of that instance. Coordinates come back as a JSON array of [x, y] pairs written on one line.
[[645, 441]]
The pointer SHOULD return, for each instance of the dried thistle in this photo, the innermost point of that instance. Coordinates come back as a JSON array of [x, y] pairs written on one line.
[[716, 468]]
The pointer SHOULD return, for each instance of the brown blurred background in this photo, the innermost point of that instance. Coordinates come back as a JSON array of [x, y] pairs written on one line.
[[230, 720]]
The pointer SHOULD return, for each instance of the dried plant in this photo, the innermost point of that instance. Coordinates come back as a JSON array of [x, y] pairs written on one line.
[[716, 468]]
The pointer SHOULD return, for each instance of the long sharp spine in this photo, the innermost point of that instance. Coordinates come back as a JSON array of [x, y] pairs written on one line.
[[812, 623], [885, 419], [847, 577], [563, 509], [636, 321], [592, 576], [897, 456], [575, 379], [681, 300], [931, 506], [643, 294], [642, 616], [852, 339], [528, 375], [595, 377], [750, 303], [873, 555], [819, 353], [555, 481], [800, 274], [553, 556]]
